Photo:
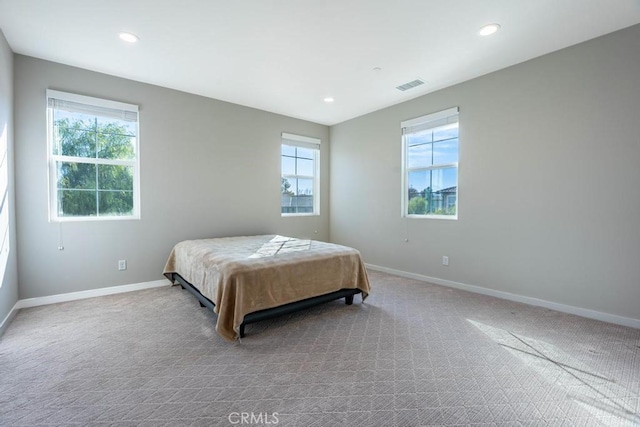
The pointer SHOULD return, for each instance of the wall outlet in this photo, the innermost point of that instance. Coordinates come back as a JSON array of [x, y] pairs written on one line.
[[445, 260], [122, 264]]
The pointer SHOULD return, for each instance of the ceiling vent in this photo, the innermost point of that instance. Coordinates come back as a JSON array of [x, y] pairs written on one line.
[[410, 85]]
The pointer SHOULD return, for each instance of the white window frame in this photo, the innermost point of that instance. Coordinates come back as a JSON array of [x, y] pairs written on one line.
[[98, 103], [313, 144], [429, 121]]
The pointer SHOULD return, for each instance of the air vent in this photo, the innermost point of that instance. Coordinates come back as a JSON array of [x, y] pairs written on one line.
[[410, 85]]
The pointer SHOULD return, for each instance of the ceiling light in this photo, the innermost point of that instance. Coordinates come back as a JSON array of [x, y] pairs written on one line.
[[489, 29], [377, 69], [128, 37], [329, 100]]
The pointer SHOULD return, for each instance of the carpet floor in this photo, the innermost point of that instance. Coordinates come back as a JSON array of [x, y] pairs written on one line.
[[413, 354]]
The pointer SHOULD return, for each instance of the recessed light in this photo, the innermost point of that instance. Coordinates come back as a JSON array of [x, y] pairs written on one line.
[[128, 37], [489, 29], [329, 100]]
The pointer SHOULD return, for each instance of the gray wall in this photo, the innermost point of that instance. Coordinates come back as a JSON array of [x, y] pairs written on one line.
[[549, 181], [9, 287], [208, 169]]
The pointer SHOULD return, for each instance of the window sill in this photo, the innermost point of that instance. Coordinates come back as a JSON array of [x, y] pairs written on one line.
[[95, 219], [446, 217], [299, 214]]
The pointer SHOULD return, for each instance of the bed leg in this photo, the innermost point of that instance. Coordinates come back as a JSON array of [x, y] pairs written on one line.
[[348, 299], [242, 330], [181, 286], [201, 304]]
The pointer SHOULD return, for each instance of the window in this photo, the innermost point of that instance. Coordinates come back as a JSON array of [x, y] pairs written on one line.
[[4, 197], [93, 158], [300, 180], [430, 165]]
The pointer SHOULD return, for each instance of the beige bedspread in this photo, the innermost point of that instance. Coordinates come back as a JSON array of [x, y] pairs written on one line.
[[246, 274]]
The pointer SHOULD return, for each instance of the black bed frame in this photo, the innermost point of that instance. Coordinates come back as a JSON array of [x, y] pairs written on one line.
[[269, 313]]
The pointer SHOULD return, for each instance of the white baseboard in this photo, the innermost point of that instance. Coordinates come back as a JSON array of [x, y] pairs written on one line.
[[583, 312], [9, 317], [72, 296]]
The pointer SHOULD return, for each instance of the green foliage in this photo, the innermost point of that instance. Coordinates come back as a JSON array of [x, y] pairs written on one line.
[[285, 186], [445, 211], [417, 206], [84, 188]]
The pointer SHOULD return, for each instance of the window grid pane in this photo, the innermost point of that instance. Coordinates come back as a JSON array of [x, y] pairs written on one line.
[[115, 146], [74, 141], [76, 203], [432, 192], [115, 202], [73, 175]]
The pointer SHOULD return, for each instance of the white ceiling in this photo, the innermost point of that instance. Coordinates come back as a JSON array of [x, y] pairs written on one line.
[[285, 56]]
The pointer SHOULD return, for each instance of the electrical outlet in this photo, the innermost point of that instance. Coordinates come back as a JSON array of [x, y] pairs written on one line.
[[122, 264], [445, 260]]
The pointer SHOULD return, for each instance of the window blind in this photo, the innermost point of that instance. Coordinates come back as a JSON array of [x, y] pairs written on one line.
[[430, 121], [300, 141], [94, 106]]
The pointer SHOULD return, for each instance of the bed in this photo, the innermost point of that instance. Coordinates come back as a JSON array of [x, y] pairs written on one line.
[[251, 278]]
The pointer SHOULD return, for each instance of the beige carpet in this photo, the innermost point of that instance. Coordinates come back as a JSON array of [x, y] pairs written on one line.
[[413, 354]]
